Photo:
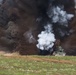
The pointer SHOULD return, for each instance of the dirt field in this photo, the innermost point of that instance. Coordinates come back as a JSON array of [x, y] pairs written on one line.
[[15, 64]]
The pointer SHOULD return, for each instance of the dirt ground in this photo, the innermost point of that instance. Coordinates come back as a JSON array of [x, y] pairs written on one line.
[[34, 58]]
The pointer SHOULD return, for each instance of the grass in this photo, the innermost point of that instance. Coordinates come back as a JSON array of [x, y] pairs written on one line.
[[37, 65]]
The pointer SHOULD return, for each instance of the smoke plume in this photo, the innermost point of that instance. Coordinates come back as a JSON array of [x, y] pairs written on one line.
[[59, 18], [30, 26], [58, 15], [46, 38]]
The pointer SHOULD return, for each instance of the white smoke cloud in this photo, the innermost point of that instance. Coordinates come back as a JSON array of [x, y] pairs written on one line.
[[29, 36], [59, 15], [46, 38]]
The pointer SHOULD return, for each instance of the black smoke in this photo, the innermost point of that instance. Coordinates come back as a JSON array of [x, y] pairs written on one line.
[[23, 17]]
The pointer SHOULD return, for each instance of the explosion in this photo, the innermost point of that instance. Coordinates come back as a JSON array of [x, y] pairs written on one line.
[[33, 26], [58, 16], [46, 38]]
